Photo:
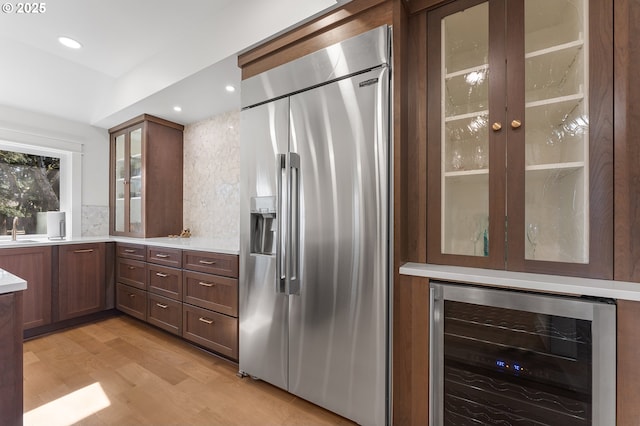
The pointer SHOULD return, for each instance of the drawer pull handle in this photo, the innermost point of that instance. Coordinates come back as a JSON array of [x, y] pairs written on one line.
[[129, 251], [205, 320], [160, 305], [202, 283], [131, 268], [83, 251], [207, 262], [131, 295], [161, 275], [162, 256]]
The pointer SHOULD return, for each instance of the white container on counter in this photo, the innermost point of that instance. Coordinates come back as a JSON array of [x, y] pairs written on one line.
[[56, 225]]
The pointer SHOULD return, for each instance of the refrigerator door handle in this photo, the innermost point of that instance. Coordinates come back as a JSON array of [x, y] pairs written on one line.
[[281, 224], [293, 220]]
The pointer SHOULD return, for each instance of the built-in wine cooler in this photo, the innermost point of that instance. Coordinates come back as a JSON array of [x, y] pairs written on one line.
[[501, 357]]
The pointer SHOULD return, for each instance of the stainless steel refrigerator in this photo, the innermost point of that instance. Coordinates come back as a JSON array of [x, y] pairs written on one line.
[[315, 234]]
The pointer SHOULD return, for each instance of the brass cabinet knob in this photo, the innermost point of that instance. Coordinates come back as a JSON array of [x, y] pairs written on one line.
[[496, 126], [516, 123]]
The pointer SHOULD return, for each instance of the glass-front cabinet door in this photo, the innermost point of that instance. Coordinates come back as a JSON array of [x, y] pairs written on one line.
[[466, 95], [127, 182], [520, 135], [118, 183], [135, 180]]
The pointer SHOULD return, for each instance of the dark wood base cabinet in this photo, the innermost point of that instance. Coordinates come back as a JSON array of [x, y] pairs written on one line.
[[32, 264], [628, 376], [165, 313], [66, 283], [212, 330], [11, 359], [131, 301], [131, 272], [212, 292], [192, 294], [81, 280]]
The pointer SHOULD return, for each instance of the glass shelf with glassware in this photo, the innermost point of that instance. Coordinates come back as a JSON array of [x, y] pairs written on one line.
[[465, 214], [135, 188], [466, 92], [554, 72], [466, 146], [556, 214]]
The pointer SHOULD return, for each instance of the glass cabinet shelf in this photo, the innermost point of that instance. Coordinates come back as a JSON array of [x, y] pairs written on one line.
[[463, 173], [575, 99], [572, 45], [557, 166], [467, 116], [468, 73]]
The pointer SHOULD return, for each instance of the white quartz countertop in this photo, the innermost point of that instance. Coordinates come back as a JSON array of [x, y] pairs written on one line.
[[10, 283], [214, 245], [526, 281]]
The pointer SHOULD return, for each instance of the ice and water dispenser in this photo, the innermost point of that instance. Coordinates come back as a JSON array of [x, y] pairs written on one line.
[[263, 225]]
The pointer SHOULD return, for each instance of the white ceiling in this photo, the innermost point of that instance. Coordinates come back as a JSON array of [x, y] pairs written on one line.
[[138, 56]]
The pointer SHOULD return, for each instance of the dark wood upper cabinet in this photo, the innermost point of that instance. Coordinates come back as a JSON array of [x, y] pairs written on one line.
[[81, 280], [146, 178], [520, 136]]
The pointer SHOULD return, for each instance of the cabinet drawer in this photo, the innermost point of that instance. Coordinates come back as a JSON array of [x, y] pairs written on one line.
[[212, 330], [165, 256], [131, 300], [131, 251], [131, 272], [211, 263], [165, 281], [164, 313], [211, 292]]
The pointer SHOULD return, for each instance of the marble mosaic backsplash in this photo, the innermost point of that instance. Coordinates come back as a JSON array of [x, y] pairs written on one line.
[[211, 198], [95, 221]]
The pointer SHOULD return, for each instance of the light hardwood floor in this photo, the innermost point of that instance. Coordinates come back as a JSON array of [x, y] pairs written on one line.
[[122, 372]]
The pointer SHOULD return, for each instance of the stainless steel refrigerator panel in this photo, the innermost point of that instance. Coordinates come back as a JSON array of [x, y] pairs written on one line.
[[263, 329], [356, 54], [338, 321]]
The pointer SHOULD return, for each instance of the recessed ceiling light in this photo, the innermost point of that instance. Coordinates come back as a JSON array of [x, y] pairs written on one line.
[[69, 42], [177, 108], [230, 88]]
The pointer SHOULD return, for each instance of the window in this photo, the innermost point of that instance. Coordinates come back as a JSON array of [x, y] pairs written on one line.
[[29, 184]]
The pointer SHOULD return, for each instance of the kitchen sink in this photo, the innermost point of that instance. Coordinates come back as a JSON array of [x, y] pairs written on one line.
[[17, 241]]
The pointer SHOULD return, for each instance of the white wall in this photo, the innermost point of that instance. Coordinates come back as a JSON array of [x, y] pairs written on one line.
[[211, 206], [89, 145]]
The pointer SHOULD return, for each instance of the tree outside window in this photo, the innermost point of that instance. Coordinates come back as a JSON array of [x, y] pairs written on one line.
[[29, 184]]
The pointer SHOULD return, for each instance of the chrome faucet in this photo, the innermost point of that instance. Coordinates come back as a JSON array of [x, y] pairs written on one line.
[[14, 230]]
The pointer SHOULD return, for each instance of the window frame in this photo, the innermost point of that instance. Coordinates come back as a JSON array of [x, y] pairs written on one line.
[[70, 180]]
